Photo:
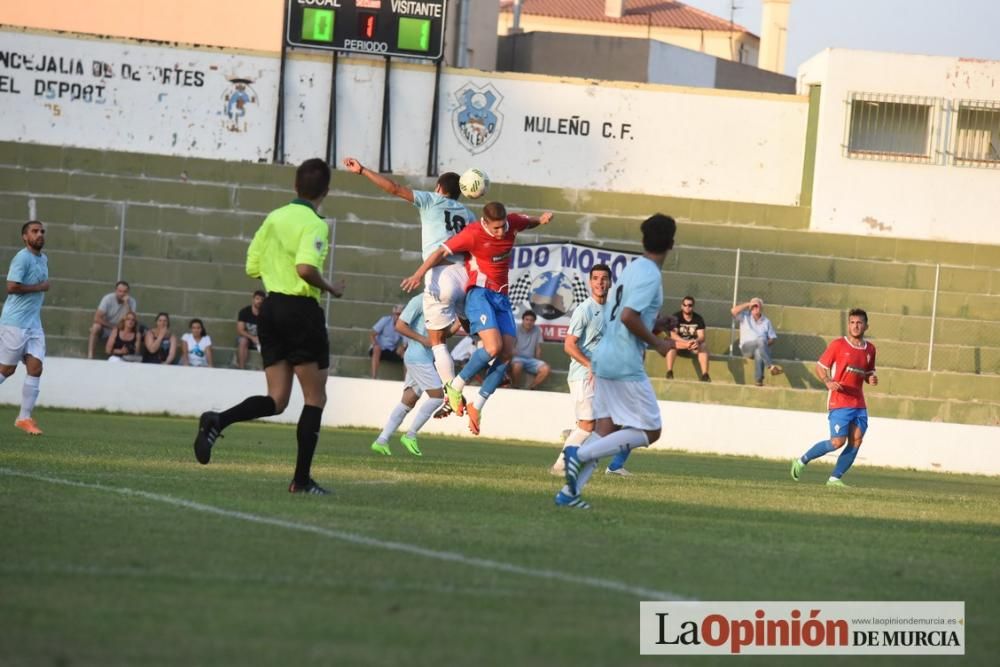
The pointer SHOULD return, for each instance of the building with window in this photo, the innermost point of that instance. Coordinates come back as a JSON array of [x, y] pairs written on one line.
[[647, 41], [903, 145], [666, 21]]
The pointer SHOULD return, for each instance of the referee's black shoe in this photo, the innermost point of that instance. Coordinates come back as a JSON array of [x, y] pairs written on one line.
[[311, 488], [208, 431]]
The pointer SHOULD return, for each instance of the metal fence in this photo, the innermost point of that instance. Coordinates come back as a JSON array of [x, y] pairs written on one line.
[[922, 316]]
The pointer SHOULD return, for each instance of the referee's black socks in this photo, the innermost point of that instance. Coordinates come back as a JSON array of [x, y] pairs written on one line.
[[308, 435], [254, 407]]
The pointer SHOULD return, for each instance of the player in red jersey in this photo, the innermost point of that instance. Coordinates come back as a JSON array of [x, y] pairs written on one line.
[[489, 244], [844, 368]]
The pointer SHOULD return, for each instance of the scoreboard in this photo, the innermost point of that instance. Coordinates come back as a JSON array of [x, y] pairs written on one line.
[[408, 28]]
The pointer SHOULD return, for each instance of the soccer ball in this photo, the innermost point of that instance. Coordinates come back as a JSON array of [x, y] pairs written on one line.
[[474, 183]]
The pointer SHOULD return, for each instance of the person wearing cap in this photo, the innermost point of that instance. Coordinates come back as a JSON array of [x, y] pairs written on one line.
[[757, 335], [387, 343]]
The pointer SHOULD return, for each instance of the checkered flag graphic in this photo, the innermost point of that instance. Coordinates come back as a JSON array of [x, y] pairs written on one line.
[[580, 292], [520, 291]]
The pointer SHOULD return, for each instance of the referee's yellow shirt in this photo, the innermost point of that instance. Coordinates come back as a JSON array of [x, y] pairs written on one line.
[[293, 234]]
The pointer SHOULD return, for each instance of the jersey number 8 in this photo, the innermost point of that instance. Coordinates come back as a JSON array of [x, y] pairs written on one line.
[[618, 302]]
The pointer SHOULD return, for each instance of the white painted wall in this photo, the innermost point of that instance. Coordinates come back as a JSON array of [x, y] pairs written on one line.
[[717, 429], [640, 138], [662, 140], [891, 198]]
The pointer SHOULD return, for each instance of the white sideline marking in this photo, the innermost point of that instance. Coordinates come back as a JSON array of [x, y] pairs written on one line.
[[353, 538]]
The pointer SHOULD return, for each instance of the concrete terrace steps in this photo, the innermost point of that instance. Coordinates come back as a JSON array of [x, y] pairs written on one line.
[[208, 236], [926, 396], [209, 285], [373, 299], [705, 216], [187, 224]]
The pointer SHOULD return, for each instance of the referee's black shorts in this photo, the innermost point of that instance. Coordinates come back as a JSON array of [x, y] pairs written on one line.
[[293, 329]]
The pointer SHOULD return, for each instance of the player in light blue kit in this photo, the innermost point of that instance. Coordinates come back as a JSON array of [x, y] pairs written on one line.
[[421, 377], [441, 217], [21, 335], [586, 326], [625, 406]]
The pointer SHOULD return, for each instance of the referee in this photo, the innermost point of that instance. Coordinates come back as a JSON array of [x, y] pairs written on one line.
[[287, 253]]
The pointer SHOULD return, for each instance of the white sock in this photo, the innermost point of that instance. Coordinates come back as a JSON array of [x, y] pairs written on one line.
[[2, 378], [619, 441], [584, 476], [425, 412], [443, 363], [396, 418], [576, 437], [480, 402], [29, 394]]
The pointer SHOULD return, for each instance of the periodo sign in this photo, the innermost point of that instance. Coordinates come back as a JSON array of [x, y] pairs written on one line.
[[408, 28]]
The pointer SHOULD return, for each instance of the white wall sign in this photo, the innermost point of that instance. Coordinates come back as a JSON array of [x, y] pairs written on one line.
[[126, 96], [630, 138], [131, 96]]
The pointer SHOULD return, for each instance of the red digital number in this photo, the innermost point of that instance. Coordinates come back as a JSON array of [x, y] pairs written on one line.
[[367, 26]]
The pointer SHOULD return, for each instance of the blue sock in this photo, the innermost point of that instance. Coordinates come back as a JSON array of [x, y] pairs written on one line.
[[619, 461], [493, 379], [845, 460], [479, 360], [818, 450]]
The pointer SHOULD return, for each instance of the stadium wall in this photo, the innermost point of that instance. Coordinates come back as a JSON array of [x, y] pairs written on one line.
[[713, 429], [112, 94], [891, 195]]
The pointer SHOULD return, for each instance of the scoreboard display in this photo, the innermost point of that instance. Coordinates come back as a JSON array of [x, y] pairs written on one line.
[[408, 28]]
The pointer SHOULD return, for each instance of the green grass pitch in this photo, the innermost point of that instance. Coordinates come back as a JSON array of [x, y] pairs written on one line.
[[117, 548]]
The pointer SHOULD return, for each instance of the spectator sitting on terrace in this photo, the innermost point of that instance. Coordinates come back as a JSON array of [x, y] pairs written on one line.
[[159, 344], [246, 329], [110, 312], [527, 353], [125, 341], [688, 325], [757, 335], [387, 343], [196, 346]]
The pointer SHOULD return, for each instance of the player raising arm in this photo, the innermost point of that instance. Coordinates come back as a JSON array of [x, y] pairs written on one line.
[[441, 217], [489, 243]]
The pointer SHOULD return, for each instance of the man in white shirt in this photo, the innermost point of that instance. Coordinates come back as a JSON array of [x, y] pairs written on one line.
[[757, 335]]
